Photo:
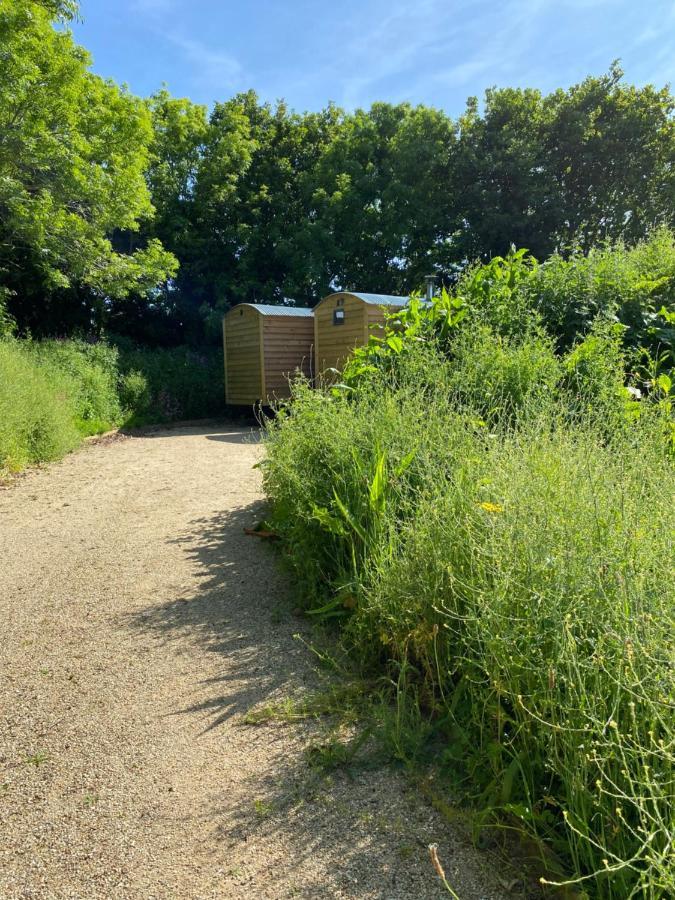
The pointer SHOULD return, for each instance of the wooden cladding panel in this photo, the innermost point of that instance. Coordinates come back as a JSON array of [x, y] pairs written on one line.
[[243, 364], [261, 351], [288, 347], [333, 343]]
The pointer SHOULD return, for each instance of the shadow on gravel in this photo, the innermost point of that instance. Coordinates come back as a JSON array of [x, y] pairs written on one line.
[[238, 425], [352, 833], [236, 612], [236, 437]]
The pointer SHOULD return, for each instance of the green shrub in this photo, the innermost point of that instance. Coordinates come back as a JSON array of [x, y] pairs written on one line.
[[630, 284], [6, 321], [534, 598], [93, 371], [54, 392], [497, 294], [498, 377], [181, 382], [515, 582], [135, 396], [37, 414], [594, 377]]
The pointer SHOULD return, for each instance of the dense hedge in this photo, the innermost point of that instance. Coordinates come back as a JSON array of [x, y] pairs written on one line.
[[165, 384], [53, 393]]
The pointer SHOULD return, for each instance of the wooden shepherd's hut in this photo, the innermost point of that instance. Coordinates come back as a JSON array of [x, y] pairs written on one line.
[[263, 345], [344, 320]]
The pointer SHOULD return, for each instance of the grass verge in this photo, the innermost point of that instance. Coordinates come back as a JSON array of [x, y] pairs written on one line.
[[510, 572]]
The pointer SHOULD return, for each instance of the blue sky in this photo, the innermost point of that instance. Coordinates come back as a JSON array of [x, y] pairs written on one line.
[[436, 52]]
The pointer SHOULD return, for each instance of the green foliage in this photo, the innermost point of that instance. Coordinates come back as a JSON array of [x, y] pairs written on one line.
[[498, 377], [7, 323], [636, 286], [491, 524], [72, 158], [92, 370], [496, 293], [37, 415], [487, 297], [163, 385], [53, 393], [134, 392], [515, 582], [610, 311], [381, 197], [547, 172], [234, 203], [259, 202], [594, 375]]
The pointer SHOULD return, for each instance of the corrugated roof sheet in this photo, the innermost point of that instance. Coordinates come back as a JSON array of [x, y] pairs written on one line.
[[382, 299], [378, 299], [270, 309]]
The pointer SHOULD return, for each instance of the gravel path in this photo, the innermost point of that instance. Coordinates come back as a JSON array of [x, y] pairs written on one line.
[[139, 625]]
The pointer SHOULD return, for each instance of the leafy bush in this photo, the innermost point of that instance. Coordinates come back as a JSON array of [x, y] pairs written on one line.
[[506, 558], [180, 383], [498, 377], [6, 321], [594, 377], [633, 285], [497, 293], [135, 396], [37, 414], [93, 372], [52, 393]]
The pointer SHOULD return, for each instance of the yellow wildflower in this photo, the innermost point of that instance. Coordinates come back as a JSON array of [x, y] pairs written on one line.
[[491, 507]]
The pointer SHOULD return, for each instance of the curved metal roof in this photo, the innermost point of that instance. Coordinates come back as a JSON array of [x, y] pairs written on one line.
[[374, 299], [270, 309]]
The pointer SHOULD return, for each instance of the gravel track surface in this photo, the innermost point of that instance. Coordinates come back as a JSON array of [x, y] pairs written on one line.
[[139, 626]]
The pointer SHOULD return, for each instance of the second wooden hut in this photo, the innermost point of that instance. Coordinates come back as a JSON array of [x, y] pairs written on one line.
[[263, 346], [344, 320]]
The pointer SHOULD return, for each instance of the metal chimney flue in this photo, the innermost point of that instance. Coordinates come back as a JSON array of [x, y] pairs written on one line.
[[430, 289]]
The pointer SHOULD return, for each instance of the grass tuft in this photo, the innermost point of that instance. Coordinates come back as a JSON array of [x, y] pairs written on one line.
[[500, 553]]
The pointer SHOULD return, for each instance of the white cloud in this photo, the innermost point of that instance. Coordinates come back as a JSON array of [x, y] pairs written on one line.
[[209, 67], [385, 40], [442, 43], [153, 7], [437, 47], [425, 50]]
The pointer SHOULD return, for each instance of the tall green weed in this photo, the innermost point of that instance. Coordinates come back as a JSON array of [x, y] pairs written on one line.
[[55, 392], [92, 369], [635, 286], [501, 549], [37, 413]]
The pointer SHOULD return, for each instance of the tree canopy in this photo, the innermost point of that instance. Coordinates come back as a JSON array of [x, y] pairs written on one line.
[[569, 169], [74, 150], [282, 205], [151, 217]]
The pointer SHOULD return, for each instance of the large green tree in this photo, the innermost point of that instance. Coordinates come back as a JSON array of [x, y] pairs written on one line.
[[264, 204], [261, 203], [234, 202], [180, 135], [278, 251], [569, 169], [195, 176], [73, 152], [384, 198]]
